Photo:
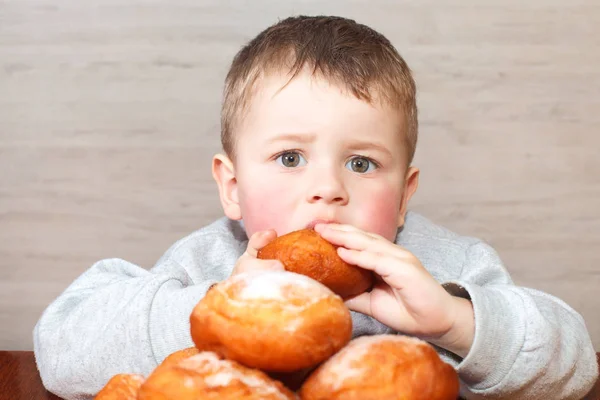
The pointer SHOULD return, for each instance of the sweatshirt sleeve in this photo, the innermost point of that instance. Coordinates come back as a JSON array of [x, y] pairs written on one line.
[[115, 318], [527, 345]]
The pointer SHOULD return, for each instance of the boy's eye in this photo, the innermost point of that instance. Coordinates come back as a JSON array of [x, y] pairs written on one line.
[[291, 159], [360, 165]]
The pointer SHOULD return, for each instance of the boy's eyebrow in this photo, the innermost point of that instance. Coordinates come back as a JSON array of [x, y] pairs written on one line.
[[293, 137], [363, 145], [310, 137]]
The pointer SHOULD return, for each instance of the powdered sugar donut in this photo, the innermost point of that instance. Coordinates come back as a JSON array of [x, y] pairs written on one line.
[[207, 376], [176, 357], [277, 321], [383, 367]]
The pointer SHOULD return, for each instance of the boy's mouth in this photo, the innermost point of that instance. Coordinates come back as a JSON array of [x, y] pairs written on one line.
[[311, 225]]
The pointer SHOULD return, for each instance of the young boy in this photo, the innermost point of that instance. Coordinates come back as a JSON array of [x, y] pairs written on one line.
[[319, 128]]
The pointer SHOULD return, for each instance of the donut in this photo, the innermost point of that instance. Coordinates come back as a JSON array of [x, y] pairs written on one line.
[[177, 356], [277, 321], [383, 367], [206, 375], [307, 253], [121, 387]]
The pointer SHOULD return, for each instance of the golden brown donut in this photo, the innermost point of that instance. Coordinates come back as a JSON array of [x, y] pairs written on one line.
[[121, 387], [208, 376], [175, 357], [383, 367], [307, 253], [277, 321]]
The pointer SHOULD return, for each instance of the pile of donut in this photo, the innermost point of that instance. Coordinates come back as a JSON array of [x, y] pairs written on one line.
[[281, 335]]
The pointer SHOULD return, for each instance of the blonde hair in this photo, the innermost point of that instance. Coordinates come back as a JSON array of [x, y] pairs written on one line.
[[350, 55]]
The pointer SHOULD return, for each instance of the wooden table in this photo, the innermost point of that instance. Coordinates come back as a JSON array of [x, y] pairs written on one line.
[[19, 378]]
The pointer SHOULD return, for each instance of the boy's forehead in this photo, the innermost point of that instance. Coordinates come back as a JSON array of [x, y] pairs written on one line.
[[280, 93], [311, 105]]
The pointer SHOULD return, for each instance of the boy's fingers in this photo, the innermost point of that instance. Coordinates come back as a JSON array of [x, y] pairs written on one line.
[[360, 303], [350, 239], [259, 240]]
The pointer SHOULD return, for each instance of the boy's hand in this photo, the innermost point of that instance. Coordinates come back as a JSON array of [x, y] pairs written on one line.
[[405, 297], [248, 260]]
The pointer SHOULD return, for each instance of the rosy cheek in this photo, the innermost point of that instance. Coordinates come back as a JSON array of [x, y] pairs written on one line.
[[260, 210], [379, 213]]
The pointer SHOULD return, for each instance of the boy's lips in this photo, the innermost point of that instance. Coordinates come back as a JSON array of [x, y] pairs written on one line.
[[311, 225]]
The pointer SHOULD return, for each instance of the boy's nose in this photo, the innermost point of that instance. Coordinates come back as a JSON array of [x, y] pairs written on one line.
[[328, 190]]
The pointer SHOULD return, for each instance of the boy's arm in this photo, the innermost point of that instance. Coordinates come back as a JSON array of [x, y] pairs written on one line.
[[527, 343], [115, 318]]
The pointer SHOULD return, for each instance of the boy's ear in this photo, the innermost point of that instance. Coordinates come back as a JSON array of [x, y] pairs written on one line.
[[224, 174], [411, 183]]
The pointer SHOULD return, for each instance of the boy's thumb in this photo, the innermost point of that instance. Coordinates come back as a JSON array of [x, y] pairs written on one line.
[[360, 303], [276, 265]]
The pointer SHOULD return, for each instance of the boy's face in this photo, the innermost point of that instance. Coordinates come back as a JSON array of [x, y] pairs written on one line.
[[311, 152]]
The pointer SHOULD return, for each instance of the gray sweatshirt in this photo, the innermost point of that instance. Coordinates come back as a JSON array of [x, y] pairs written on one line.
[[120, 318]]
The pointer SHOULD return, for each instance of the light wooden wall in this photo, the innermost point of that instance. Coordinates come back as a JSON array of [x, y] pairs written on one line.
[[109, 117]]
